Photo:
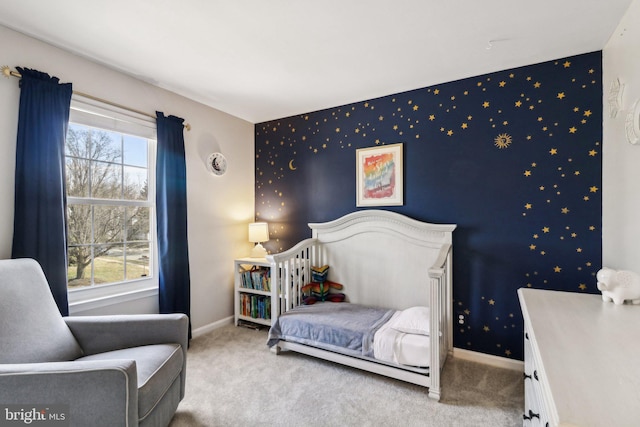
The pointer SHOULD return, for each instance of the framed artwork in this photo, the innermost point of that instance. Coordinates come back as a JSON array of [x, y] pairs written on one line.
[[379, 176]]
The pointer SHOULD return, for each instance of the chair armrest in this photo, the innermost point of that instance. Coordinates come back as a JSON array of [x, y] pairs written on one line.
[[97, 334], [96, 393]]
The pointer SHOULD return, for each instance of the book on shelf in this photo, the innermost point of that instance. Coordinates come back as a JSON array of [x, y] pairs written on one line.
[[257, 278], [255, 306]]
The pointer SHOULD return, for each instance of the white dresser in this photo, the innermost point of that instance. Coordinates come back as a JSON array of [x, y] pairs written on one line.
[[582, 360]]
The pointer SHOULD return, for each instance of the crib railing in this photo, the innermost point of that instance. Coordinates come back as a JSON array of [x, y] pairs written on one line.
[[290, 271]]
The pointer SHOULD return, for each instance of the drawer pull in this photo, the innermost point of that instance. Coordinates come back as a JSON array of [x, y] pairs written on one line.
[[535, 375], [533, 415], [526, 376], [526, 335]]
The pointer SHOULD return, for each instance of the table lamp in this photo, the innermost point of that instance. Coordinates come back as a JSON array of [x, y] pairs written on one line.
[[258, 233]]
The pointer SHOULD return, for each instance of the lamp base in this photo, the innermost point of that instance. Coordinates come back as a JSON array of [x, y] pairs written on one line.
[[258, 251]]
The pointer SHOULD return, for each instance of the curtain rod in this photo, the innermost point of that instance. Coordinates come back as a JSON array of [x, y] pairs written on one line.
[[8, 72]]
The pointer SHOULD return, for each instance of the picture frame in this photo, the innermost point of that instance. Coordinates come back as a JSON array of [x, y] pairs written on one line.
[[379, 176]]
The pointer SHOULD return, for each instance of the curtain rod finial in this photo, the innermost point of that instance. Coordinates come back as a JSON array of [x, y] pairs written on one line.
[[187, 126], [6, 71]]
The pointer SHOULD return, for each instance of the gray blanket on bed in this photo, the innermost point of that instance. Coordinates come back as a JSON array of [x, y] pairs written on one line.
[[342, 327]]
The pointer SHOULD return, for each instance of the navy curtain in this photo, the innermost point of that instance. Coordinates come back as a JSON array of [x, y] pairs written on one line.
[[39, 230], [171, 211]]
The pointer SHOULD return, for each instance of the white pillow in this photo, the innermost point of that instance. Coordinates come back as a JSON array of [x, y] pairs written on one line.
[[414, 320]]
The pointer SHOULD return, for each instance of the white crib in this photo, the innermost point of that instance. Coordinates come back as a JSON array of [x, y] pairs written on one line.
[[383, 259]]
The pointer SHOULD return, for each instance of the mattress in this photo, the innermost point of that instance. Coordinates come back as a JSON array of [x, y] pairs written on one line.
[[353, 330], [393, 346], [341, 327]]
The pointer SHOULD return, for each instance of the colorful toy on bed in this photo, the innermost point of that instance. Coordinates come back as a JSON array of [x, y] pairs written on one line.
[[321, 289]]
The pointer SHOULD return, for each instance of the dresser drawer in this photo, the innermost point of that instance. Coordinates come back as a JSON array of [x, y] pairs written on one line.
[[535, 413]]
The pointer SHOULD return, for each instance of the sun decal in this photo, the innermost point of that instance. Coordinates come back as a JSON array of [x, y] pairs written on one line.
[[503, 140]]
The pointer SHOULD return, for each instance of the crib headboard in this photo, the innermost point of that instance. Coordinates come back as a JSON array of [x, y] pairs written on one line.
[[382, 258]]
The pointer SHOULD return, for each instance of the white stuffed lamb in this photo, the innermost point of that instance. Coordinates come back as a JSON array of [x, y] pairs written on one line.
[[619, 285]]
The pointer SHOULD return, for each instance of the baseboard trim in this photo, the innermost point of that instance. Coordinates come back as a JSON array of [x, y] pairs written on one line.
[[211, 327], [488, 359]]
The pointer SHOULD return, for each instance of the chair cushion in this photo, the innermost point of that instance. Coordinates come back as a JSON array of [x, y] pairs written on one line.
[[31, 327], [157, 366]]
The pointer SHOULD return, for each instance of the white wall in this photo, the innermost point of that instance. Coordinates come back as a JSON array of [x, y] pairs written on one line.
[[621, 160], [218, 207]]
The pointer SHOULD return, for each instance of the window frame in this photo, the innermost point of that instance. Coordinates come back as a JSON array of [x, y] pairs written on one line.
[[90, 112]]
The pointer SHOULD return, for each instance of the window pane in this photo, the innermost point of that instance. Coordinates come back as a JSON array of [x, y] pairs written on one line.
[[135, 151], [108, 264], [135, 183], [79, 271], [138, 224], [106, 180], [108, 224], [78, 177], [106, 146], [137, 260], [78, 143], [79, 224]]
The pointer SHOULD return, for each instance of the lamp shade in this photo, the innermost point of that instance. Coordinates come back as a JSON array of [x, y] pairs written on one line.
[[258, 232]]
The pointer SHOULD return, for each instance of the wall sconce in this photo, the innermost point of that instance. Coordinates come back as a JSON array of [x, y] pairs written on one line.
[[258, 233]]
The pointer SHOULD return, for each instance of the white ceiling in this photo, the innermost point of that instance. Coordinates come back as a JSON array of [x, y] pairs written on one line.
[[262, 60]]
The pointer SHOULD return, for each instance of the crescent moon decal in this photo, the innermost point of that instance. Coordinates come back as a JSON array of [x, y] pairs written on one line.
[[291, 165]]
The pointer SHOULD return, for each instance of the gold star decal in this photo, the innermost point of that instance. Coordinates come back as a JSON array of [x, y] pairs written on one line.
[[561, 95], [432, 117], [366, 104], [502, 84], [528, 206], [565, 210], [582, 286], [535, 236], [527, 173], [567, 64], [464, 126], [415, 108], [537, 85], [395, 127], [579, 250], [381, 118], [518, 103], [553, 151], [532, 247], [492, 302], [557, 269], [449, 132], [437, 91], [485, 104], [337, 129], [593, 189], [486, 328], [587, 113], [592, 153], [573, 129], [545, 229]]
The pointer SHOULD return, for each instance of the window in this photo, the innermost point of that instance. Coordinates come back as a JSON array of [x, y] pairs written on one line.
[[110, 201]]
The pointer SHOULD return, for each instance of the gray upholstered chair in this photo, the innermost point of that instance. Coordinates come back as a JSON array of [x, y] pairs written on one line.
[[126, 370]]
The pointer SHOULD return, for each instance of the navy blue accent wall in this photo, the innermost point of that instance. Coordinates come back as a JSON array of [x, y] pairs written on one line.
[[513, 158]]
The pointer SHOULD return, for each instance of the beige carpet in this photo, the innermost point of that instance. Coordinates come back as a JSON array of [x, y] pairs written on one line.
[[234, 380]]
